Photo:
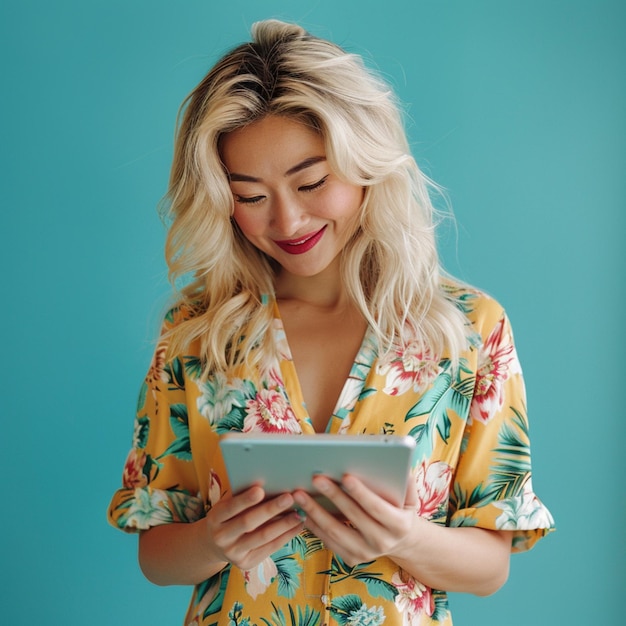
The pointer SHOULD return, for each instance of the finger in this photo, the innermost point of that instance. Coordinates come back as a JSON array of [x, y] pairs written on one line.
[[410, 496], [338, 537], [356, 502], [310, 508], [230, 508], [326, 525], [271, 531], [253, 547], [264, 512], [375, 507], [237, 534]]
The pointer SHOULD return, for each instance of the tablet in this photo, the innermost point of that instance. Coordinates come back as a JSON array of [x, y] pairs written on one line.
[[282, 463]]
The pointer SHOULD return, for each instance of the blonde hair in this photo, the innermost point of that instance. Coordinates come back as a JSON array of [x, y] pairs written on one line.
[[390, 267]]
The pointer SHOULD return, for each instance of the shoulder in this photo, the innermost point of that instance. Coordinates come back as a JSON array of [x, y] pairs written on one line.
[[176, 315], [178, 337], [482, 311]]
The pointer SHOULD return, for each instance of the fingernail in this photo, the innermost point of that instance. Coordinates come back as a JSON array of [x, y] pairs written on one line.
[[348, 482], [322, 485], [285, 500]]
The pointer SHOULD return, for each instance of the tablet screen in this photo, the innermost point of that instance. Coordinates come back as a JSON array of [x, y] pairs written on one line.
[[282, 463]]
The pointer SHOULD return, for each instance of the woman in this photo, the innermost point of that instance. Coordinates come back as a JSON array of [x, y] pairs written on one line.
[[313, 302]]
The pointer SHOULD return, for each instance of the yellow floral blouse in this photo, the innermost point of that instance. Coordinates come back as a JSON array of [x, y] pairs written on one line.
[[472, 468]]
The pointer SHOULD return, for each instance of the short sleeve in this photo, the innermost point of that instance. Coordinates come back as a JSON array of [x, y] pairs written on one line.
[[159, 483], [492, 486]]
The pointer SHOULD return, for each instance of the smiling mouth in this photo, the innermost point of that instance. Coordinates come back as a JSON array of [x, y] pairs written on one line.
[[302, 244]]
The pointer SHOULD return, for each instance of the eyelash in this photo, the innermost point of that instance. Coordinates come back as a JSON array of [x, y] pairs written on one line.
[[254, 200], [305, 188], [314, 186]]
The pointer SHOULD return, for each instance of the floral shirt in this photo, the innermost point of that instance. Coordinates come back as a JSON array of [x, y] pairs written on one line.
[[472, 467]]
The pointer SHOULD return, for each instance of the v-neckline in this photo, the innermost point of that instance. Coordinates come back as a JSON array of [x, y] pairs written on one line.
[[351, 388]]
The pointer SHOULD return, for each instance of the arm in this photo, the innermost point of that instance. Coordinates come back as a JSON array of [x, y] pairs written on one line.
[[471, 560], [242, 530]]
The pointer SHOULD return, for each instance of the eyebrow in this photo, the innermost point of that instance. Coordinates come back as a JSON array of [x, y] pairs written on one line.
[[245, 178]]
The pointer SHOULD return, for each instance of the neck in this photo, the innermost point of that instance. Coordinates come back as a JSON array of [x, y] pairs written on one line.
[[325, 290]]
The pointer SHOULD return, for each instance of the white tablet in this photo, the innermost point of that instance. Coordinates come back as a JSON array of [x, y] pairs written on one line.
[[282, 463]]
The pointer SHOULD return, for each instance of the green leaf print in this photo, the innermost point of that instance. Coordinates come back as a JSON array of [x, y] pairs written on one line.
[[231, 422], [142, 429], [344, 606], [288, 572], [305, 543], [462, 299], [340, 570], [208, 586], [236, 398], [429, 401], [443, 426], [151, 468], [309, 617], [378, 587], [179, 411], [460, 499], [444, 395], [511, 469], [193, 366], [179, 421], [366, 393], [176, 373], [441, 606], [143, 392], [464, 302], [169, 316], [276, 619], [235, 616]]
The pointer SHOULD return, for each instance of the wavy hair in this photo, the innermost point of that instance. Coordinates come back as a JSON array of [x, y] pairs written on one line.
[[390, 267]]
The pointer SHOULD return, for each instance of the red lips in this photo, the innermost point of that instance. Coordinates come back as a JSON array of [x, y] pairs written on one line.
[[301, 244]]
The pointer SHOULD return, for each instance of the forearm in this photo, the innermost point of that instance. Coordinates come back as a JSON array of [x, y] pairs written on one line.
[[242, 530], [177, 554], [470, 560]]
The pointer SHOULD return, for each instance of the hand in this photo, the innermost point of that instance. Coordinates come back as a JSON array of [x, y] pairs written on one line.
[[377, 527], [245, 529]]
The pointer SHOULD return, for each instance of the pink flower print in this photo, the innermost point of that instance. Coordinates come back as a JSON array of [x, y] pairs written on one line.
[[411, 366], [257, 580], [157, 367], [270, 412], [497, 361], [215, 488], [413, 599], [157, 374], [274, 378], [432, 484], [133, 476]]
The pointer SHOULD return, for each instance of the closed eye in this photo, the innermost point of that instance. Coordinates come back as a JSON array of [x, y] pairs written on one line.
[[314, 186], [251, 200]]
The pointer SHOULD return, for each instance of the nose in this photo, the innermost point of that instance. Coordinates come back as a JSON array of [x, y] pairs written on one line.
[[287, 217]]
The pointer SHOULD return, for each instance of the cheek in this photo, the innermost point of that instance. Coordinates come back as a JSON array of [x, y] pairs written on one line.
[[251, 225], [348, 202]]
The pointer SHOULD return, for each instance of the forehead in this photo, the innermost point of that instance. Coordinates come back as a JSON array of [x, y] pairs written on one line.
[[270, 146]]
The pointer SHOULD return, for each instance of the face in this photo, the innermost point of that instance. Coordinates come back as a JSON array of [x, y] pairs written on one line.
[[288, 201]]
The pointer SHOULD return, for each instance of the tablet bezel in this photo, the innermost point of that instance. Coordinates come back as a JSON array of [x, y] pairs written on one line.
[[283, 463]]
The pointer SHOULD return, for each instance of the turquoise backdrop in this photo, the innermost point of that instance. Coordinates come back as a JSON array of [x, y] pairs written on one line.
[[517, 108]]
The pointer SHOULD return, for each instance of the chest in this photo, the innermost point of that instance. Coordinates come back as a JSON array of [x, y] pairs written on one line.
[[323, 347]]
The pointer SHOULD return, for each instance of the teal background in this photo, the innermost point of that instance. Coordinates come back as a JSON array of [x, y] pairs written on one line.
[[517, 108]]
